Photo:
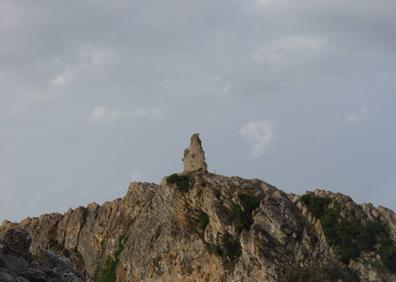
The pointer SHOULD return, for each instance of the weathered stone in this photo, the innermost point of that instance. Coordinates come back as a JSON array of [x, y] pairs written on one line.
[[194, 156], [18, 240], [156, 233], [18, 265]]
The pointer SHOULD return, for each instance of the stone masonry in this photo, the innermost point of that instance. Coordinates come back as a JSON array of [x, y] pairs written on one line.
[[194, 156]]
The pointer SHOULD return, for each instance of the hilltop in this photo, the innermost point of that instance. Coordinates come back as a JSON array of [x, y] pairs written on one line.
[[199, 226]]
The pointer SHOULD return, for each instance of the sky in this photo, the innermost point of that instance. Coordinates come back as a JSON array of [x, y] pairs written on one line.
[[97, 93]]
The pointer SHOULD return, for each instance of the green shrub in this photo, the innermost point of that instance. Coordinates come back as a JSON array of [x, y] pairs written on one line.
[[108, 272], [317, 205], [231, 249], [181, 181], [388, 257], [349, 239], [203, 221], [248, 202], [367, 237], [240, 218], [214, 249], [242, 213], [228, 248]]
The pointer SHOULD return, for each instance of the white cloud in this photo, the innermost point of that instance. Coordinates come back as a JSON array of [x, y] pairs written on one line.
[[260, 134], [61, 79], [96, 59], [149, 113], [276, 51], [358, 116], [105, 113], [89, 60]]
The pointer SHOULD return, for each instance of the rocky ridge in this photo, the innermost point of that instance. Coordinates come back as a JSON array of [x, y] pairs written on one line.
[[17, 264], [199, 226]]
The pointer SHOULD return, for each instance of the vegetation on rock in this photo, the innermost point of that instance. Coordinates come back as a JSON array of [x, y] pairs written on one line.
[[203, 221], [350, 239], [108, 273], [242, 213], [248, 202], [180, 181], [170, 224], [228, 248]]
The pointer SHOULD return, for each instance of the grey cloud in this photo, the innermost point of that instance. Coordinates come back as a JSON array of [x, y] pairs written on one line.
[[171, 68]]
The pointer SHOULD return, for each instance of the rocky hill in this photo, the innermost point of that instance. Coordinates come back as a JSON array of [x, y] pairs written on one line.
[[199, 226]]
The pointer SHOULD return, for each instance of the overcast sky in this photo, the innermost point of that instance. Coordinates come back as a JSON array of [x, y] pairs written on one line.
[[97, 93]]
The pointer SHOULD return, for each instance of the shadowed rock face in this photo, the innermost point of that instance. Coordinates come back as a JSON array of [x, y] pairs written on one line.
[[194, 156], [18, 264], [218, 229]]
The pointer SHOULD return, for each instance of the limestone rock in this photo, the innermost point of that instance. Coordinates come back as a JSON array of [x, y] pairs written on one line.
[[194, 156], [217, 229], [17, 263]]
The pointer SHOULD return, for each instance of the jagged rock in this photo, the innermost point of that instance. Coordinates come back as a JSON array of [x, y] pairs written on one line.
[[18, 241], [18, 265], [219, 229], [194, 156]]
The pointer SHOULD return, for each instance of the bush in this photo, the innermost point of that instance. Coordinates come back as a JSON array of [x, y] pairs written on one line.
[[242, 213], [228, 248], [388, 257], [248, 202], [349, 239], [108, 272], [214, 249], [317, 205], [203, 221], [231, 249], [181, 181], [240, 218]]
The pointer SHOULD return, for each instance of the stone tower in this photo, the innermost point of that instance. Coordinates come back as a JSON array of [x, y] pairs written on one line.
[[194, 156]]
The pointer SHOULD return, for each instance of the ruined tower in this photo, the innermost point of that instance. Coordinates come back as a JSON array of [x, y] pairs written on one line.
[[194, 156]]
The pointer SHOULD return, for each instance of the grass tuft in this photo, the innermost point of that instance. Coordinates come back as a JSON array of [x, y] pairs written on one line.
[[180, 181]]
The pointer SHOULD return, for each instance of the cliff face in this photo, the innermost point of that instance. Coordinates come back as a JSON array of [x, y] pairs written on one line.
[[18, 264], [198, 226], [205, 227]]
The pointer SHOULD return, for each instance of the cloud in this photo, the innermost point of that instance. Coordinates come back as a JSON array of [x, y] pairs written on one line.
[[154, 64], [149, 113], [282, 49], [96, 58], [61, 79], [358, 116], [105, 113], [260, 134]]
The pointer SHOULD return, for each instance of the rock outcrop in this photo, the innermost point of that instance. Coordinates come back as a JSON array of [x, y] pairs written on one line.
[[216, 228], [194, 156], [18, 265]]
